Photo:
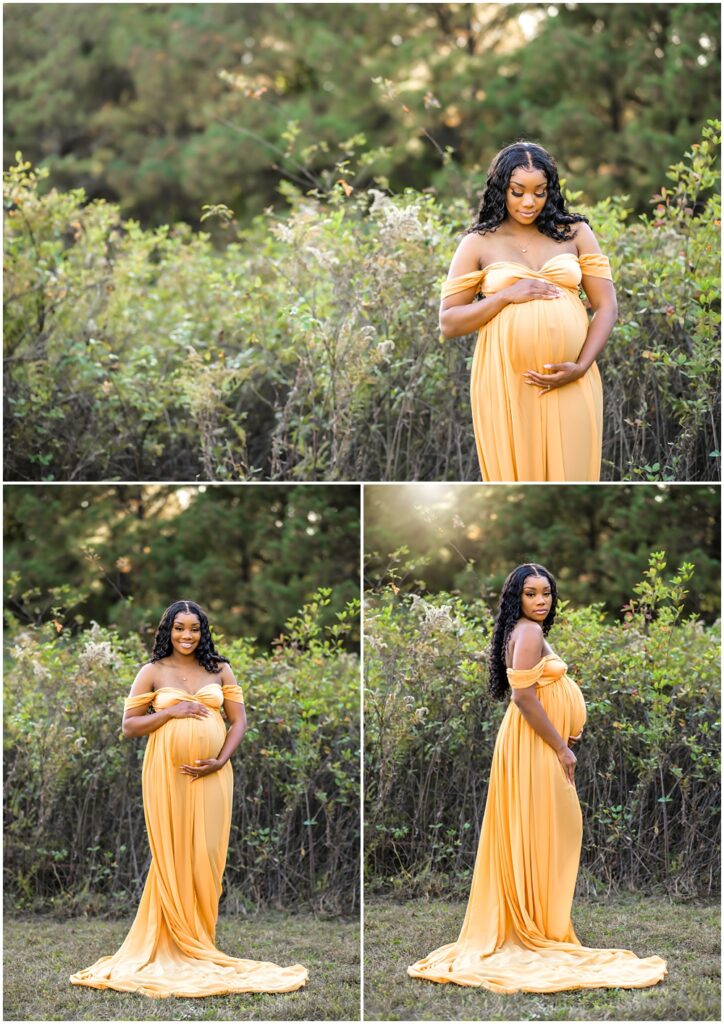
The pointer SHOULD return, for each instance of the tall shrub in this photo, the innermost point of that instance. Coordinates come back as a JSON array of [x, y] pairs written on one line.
[[310, 349]]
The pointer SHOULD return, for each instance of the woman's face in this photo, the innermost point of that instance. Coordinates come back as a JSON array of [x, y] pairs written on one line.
[[536, 599], [526, 195], [185, 633]]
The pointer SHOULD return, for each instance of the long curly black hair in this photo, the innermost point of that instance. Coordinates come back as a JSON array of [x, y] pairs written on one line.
[[206, 654], [509, 612], [554, 219]]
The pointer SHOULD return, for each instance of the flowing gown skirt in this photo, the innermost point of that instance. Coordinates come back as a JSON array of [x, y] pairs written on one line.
[[170, 948], [517, 934], [521, 433]]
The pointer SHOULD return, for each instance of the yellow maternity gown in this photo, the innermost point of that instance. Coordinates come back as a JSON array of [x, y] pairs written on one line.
[[170, 949], [517, 934], [519, 434]]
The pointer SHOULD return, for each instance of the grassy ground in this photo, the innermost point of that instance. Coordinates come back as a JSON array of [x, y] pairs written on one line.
[[686, 935], [41, 953]]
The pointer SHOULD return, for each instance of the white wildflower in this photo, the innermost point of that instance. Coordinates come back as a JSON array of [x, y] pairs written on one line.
[[283, 233], [41, 673], [385, 349], [401, 223], [324, 259], [96, 655], [379, 200]]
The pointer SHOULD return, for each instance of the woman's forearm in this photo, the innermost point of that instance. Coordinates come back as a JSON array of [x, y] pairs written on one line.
[[233, 738], [141, 725], [599, 331], [459, 320], [534, 713]]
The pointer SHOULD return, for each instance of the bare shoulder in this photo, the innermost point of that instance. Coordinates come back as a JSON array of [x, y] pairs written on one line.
[[146, 679], [526, 644], [467, 258], [531, 632], [584, 238], [227, 674]]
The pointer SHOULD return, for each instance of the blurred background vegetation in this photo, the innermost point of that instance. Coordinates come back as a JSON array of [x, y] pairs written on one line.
[[331, 154], [596, 540], [119, 555], [88, 572], [128, 101]]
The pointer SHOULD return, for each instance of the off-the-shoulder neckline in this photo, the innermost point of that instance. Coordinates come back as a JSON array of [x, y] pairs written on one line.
[[544, 658], [178, 689], [517, 263]]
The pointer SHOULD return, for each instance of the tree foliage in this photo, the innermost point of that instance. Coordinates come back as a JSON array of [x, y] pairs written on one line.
[[648, 774], [119, 555], [164, 107], [595, 539], [310, 348], [74, 824]]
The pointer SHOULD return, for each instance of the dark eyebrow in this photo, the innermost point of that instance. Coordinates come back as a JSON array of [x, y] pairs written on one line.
[[544, 185]]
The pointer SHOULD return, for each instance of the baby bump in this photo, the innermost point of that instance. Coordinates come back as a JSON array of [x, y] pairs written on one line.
[[188, 739], [564, 705], [542, 331], [577, 706]]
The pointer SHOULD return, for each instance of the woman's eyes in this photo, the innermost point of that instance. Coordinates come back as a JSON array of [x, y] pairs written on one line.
[[537, 195]]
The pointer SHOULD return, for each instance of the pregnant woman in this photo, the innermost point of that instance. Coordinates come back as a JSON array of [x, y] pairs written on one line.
[[187, 791], [535, 388], [517, 934]]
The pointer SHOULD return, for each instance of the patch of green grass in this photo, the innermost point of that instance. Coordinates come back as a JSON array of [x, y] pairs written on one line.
[[41, 953], [686, 935]]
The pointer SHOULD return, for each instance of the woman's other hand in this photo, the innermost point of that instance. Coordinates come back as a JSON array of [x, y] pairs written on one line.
[[574, 739], [559, 375], [568, 762], [201, 768]]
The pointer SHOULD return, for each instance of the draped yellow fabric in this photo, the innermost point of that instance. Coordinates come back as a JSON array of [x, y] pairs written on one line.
[[519, 433], [170, 949], [517, 934]]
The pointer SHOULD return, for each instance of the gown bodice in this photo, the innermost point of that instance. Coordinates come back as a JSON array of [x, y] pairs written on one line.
[[548, 670], [212, 695], [563, 703], [566, 270]]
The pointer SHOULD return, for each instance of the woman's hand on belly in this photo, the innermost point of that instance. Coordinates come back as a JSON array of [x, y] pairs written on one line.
[[560, 375], [529, 288], [574, 739], [188, 709], [199, 769]]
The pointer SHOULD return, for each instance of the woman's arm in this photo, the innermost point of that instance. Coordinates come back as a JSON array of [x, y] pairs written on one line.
[[460, 315], [602, 296], [527, 652], [137, 722]]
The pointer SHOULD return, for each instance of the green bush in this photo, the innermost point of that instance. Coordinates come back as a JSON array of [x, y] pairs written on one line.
[[648, 764], [309, 348], [74, 829]]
